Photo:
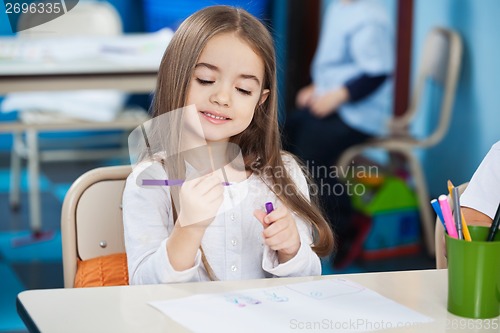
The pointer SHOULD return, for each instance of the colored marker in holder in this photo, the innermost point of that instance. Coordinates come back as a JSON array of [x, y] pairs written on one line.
[[437, 209], [457, 216], [448, 216]]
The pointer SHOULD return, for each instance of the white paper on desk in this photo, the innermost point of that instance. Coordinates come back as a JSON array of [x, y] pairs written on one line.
[[326, 305]]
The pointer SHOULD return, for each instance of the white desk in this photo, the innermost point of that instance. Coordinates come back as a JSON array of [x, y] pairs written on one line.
[[125, 309], [125, 79]]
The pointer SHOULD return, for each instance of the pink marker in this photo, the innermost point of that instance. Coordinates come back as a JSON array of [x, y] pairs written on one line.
[[448, 217]]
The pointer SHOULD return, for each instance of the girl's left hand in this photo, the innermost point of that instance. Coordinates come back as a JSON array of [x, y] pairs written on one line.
[[280, 232]]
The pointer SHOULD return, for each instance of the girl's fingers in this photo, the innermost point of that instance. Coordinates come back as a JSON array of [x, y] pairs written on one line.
[[207, 184], [268, 219], [195, 184], [213, 196], [192, 183], [275, 228], [277, 244], [260, 215], [276, 214]]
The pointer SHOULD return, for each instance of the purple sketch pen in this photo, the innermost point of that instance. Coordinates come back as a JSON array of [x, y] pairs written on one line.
[[269, 207], [167, 182], [161, 182]]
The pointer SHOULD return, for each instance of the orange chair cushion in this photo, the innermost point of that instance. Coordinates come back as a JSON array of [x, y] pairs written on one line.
[[110, 270]]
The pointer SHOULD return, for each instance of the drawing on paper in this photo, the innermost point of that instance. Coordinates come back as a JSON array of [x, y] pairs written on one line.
[[241, 300], [272, 296], [327, 288]]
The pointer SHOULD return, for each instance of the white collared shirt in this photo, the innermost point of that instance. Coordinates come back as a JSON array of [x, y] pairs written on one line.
[[233, 242], [483, 191]]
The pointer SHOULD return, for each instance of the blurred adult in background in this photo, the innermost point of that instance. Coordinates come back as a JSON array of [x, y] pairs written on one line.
[[349, 99]]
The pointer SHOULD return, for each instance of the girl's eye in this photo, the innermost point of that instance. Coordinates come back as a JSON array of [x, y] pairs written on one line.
[[244, 92], [204, 82]]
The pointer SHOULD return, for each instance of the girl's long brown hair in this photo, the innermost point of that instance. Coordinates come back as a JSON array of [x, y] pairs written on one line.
[[260, 143]]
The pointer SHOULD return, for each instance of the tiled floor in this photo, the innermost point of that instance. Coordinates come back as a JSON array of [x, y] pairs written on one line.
[[38, 265]]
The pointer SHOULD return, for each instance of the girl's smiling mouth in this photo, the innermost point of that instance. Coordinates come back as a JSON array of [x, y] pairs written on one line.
[[215, 117]]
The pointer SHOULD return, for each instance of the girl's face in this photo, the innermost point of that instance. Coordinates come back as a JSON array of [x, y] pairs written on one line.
[[226, 87]]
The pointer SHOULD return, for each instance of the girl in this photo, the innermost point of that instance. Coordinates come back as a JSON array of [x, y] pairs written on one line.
[[221, 64]]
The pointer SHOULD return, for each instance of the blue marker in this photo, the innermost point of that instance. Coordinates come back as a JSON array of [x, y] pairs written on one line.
[[439, 213]]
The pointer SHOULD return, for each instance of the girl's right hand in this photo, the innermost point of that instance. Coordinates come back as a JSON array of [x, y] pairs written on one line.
[[200, 199]]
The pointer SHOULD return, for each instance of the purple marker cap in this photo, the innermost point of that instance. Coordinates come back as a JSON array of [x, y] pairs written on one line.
[[269, 207]]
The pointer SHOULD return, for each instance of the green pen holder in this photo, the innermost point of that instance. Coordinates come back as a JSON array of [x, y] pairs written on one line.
[[474, 275]]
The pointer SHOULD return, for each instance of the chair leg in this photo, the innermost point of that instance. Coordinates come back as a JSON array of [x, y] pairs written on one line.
[[33, 180], [426, 215], [15, 172], [346, 159], [441, 261]]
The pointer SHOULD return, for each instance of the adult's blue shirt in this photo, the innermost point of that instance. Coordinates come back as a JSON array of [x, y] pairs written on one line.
[[357, 38]]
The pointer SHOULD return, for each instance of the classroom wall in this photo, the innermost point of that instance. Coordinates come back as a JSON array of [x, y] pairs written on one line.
[[4, 21], [475, 124]]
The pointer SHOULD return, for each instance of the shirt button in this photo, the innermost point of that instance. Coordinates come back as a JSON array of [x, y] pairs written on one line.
[[234, 242], [234, 268], [232, 217]]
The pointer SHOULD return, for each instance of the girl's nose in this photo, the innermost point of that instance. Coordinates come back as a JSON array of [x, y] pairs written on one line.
[[221, 97]]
